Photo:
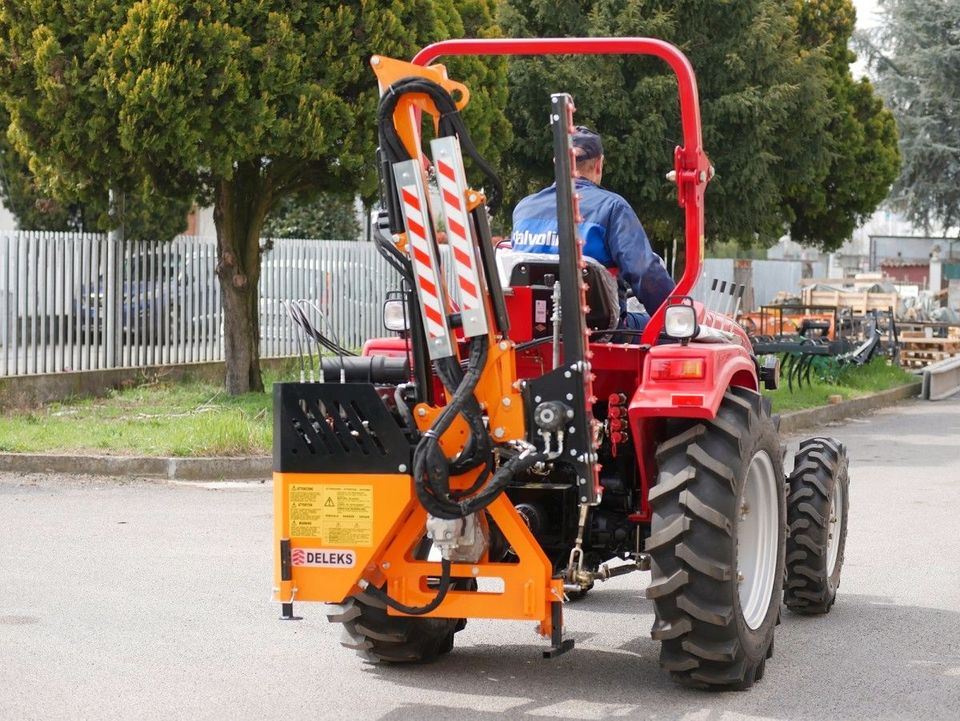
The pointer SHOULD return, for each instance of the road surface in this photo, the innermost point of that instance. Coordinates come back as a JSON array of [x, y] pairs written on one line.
[[142, 600]]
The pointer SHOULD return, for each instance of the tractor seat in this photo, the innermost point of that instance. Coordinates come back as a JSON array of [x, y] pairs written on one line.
[[532, 269]]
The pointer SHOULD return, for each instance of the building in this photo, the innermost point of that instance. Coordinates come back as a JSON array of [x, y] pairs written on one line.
[[7, 221]]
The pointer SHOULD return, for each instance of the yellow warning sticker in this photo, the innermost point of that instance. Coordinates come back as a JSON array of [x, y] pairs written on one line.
[[337, 515]]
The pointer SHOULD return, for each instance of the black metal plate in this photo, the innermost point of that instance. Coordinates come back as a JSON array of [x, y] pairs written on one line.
[[335, 428]]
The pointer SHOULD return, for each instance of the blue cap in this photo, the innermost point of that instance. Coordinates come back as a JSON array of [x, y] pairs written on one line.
[[587, 142]]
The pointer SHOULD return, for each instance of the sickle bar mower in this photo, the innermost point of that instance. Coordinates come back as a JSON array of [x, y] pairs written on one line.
[[486, 465]]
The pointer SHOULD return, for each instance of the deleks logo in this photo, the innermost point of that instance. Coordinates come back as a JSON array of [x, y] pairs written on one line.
[[322, 558]]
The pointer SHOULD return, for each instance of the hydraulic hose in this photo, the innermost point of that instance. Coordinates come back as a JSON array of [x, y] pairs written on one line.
[[417, 610], [451, 123]]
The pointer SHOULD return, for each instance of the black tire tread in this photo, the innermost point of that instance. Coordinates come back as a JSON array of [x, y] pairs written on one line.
[[819, 465], [378, 637], [696, 489]]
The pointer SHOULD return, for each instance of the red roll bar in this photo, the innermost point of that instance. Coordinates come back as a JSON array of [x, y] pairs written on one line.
[[690, 163]]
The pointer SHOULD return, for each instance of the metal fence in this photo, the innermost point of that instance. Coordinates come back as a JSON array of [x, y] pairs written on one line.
[[765, 278], [84, 301]]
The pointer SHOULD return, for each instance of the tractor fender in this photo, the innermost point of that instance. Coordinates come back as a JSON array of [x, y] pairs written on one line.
[[723, 365]]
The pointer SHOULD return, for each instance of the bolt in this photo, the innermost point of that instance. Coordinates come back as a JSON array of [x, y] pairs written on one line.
[[386, 564], [582, 481], [475, 570], [570, 413], [537, 399], [571, 430], [402, 468], [472, 197], [506, 401], [567, 374], [504, 345], [573, 451], [375, 60], [569, 396], [583, 499], [499, 432], [421, 412]]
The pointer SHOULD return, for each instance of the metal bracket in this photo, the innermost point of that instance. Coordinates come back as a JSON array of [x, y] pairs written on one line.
[[558, 644]]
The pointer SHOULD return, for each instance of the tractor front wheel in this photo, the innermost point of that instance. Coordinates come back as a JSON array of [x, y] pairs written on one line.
[[817, 514], [717, 544]]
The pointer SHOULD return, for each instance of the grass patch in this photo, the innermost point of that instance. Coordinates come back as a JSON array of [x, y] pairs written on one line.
[[188, 418], [848, 382], [193, 418]]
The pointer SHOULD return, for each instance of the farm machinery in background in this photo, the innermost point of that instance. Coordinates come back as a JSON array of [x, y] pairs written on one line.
[[820, 340], [502, 456]]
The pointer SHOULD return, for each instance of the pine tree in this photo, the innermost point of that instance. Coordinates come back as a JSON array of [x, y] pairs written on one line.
[[861, 135], [916, 56]]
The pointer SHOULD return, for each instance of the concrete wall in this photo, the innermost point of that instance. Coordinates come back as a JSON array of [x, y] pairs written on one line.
[[34, 390]]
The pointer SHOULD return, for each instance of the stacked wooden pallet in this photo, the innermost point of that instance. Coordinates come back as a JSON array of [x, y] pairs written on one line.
[[859, 301], [918, 351]]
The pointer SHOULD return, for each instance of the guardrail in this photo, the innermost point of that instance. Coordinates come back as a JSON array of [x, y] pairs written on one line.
[[941, 380]]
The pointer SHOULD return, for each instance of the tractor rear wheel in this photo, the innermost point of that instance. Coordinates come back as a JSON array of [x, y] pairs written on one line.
[[717, 544], [378, 637], [817, 515]]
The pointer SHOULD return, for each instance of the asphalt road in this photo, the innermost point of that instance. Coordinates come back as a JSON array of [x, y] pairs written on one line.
[[136, 600]]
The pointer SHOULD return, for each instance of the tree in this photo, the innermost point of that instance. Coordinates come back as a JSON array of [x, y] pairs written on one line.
[[325, 216], [143, 216], [238, 102], [861, 135], [916, 56], [761, 99]]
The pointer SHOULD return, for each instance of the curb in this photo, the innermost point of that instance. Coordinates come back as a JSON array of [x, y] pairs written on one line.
[[798, 420], [260, 468]]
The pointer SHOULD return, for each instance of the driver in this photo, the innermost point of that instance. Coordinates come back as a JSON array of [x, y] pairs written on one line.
[[611, 232]]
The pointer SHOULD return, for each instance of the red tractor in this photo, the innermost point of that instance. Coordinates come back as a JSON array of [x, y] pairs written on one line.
[[508, 451]]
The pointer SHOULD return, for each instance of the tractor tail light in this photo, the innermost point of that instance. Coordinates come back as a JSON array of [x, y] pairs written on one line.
[[677, 369]]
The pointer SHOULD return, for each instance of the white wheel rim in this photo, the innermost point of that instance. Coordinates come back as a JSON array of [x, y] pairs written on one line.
[[833, 528], [758, 531]]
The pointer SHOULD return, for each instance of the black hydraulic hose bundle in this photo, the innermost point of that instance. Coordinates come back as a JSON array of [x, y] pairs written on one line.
[[451, 123], [431, 468]]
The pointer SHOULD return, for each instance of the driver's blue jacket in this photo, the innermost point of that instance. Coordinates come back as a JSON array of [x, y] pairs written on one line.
[[611, 232]]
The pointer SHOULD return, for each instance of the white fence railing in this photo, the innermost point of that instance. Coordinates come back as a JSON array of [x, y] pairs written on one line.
[[83, 302]]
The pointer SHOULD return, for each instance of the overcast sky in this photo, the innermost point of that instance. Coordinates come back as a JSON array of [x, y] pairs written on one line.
[[866, 13]]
